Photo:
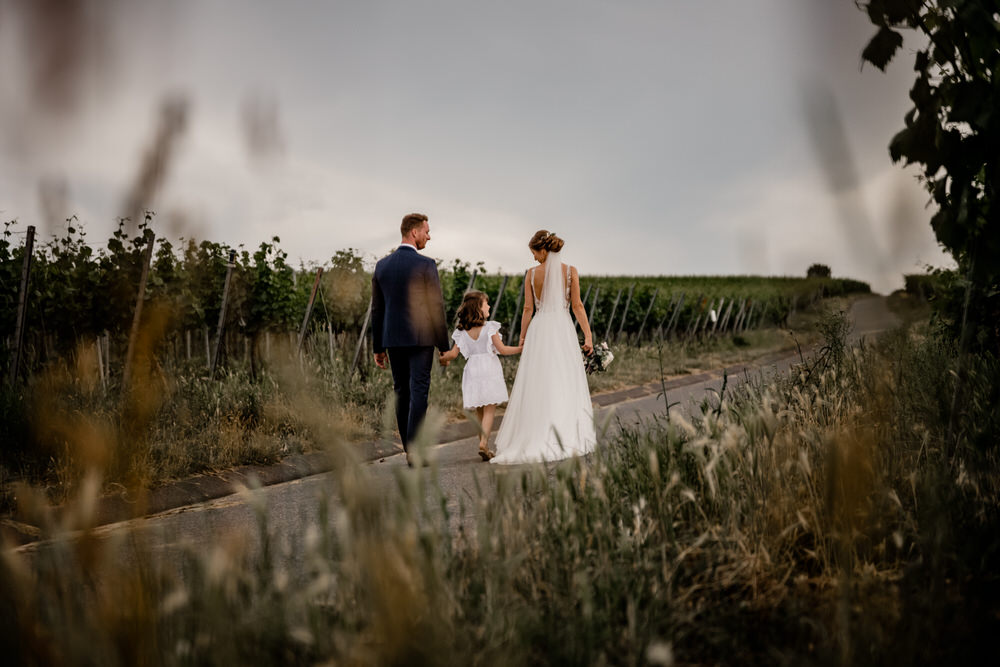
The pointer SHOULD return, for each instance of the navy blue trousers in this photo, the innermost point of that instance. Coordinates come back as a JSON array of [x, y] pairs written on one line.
[[411, 381]]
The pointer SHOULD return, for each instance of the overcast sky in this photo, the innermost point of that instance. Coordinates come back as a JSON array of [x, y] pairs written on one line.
[[655, 137]]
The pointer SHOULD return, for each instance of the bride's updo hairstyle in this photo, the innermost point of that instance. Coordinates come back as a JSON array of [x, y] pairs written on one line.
[[544, 240], [470, 313]]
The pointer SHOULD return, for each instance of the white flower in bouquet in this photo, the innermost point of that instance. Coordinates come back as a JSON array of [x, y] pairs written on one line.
[[600, 359]]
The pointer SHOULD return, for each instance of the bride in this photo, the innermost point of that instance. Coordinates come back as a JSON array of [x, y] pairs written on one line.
[[549, 415]]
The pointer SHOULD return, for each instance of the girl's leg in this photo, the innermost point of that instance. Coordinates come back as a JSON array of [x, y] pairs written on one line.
[[487, 421], [479, 416], [483, 434]]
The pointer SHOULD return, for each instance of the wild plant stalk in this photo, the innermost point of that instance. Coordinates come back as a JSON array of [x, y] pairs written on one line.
[[810, 520]]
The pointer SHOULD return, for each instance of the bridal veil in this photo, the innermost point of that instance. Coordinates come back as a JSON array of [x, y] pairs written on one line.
[[549, 414]]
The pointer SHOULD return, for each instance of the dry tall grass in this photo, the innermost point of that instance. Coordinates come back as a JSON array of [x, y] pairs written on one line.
[[176, 422], [819, 520]]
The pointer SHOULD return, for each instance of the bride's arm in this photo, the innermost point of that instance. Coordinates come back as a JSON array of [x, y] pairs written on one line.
[[580, 310], [529, 308]]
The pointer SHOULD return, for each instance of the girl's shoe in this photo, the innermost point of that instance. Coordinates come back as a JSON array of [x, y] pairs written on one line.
[[485, 454]]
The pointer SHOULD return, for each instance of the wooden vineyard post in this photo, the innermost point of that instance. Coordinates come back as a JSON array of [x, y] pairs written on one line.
[[676, 315], [614, 311], [724, 309], [134, 333], [214, 363], [628, 303], [495, 306], [748, 322], [675, 318], [510, 327], [592, 311], [739, 314], [708, 315], [693, 326], [503, 287], [361, 338], [724, 320], [718, 315], [515, 321], [645, 318], [187, 341], [22, 306], [329, 338], [666, 316], [745, 322], [309, 309], [472, 280], [672, 308], [706, 306]]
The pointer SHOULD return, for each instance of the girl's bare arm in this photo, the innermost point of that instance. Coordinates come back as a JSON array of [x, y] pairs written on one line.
[[505, 349], [450, 355]]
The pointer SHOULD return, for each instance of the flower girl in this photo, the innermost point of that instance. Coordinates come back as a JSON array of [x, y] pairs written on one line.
[[483, 386]]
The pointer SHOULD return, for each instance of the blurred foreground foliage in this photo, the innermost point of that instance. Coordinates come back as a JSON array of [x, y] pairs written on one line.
[[830, 517], [953, 133]]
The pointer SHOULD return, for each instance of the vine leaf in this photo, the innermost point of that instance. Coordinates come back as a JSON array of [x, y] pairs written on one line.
[[882, 47]]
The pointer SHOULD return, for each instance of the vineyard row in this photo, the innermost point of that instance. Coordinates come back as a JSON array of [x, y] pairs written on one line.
[[208, 300]]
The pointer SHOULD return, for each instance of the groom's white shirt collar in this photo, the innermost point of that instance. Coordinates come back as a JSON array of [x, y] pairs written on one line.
[[407, 245]]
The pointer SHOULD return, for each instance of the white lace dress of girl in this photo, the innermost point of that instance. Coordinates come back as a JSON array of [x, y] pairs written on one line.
[[482, 380]]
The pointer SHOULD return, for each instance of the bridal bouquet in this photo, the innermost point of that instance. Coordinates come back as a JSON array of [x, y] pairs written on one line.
[[599, 360]]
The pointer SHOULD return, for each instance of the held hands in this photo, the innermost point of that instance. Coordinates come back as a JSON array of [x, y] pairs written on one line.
[[445, 358]]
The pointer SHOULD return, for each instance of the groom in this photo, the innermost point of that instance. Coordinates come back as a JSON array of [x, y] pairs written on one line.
[[408, 322]]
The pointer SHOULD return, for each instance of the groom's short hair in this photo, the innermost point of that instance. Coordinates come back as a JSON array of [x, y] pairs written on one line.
[[411, 222]]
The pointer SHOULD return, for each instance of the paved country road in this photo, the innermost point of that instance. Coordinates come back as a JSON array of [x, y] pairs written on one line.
[[292, 508]]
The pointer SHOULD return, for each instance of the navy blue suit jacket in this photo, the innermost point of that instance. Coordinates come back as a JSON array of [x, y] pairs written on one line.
[[407, 303]]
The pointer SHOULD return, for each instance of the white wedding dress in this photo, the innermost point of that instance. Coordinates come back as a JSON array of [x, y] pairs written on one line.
[[549, 416]]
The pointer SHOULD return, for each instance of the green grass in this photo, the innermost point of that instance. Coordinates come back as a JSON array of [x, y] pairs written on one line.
[[178, 422], [840, 516]]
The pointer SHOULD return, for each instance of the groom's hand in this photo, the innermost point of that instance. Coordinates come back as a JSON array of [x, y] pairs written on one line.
[[380, 358], [442, 360]]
